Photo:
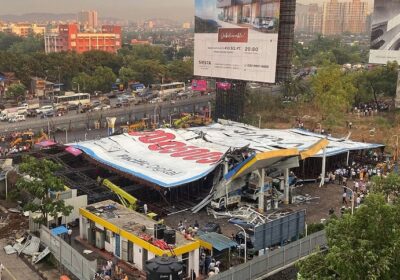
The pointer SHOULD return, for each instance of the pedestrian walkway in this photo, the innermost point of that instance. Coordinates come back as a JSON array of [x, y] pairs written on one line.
[[15, 268]]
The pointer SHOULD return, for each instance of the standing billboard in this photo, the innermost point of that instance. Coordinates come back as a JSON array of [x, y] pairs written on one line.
[[236, 39], [385, 34]]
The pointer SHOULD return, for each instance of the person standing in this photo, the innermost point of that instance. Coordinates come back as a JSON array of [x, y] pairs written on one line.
[[344, 198], [69, 235], [145, 209]]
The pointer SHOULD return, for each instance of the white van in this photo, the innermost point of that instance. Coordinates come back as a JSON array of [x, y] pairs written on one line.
[[17, 118]]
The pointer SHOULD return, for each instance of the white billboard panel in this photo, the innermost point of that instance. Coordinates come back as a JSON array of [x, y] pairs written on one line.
[[385, 34], [236, 39], [162, 157]]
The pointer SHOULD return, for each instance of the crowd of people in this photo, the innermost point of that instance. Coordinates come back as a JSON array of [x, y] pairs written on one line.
[[111, 271], [370, 108], [208, 265], [356, 179]]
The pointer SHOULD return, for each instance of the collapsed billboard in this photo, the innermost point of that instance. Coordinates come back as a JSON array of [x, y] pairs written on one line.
[[236, 39], [385, 34], [163, 157]]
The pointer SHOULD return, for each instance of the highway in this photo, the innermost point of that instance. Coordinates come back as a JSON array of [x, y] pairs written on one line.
[[74, 120]]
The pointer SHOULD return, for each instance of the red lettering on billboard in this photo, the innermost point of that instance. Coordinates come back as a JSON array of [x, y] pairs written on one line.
[[233, 35], [161, 142]]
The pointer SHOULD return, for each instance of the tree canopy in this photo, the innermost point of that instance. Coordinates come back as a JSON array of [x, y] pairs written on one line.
[[16, 91], [333, 92], [40, 184], [144, 63], [365, 245]]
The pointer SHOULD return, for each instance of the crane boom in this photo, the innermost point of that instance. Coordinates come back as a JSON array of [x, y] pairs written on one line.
[[126, 199]]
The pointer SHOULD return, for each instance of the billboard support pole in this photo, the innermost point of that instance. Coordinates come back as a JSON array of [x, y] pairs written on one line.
[[397, 98], [286, 188], [261, 196]]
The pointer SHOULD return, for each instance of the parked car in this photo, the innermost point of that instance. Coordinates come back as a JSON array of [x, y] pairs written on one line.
[[96, 103], [264, 23], [31, 113], [17, 118], [72, 107], [48, 114], [45, 109]]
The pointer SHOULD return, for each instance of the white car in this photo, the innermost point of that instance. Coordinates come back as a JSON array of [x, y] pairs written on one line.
[[45, 109], [18, 118]]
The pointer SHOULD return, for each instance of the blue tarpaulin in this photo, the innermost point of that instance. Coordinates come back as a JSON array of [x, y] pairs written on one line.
[[218, 241], [59, 230]]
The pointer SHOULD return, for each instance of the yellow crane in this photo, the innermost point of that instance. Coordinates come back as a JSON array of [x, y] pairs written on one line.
[[126, 199]]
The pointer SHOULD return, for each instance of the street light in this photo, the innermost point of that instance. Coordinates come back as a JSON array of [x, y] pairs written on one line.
[[259, 121], [66, 135], [245, 242], [7, 182]]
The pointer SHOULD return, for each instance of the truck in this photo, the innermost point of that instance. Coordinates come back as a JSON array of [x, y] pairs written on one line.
[[32, 104], [9, 113], [221, 203]]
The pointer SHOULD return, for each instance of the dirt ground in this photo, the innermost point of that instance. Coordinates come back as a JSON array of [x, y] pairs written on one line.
[[326, 197]]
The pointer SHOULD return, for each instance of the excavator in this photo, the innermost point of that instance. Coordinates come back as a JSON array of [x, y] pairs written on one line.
[[137, 126], [126, 199], [28, 137], [189, 120]]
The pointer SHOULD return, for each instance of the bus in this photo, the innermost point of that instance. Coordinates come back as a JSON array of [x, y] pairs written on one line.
[[72, 98], [167, 89]]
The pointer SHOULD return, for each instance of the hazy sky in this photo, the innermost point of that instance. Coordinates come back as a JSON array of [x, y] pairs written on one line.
[[124, 9], [371, 2]]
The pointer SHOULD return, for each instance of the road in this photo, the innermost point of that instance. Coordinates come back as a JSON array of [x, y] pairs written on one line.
[[87, 120]]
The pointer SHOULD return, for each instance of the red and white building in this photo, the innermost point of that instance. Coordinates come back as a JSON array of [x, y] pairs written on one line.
[[70, 38]]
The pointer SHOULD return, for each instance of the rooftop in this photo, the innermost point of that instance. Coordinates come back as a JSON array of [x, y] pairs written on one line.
[[132, 222]]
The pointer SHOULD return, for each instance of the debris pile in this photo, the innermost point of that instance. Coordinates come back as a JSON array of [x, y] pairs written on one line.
[[248, 216]]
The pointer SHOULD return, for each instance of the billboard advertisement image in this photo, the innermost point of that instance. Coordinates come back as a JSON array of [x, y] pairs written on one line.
[[236, 39], [385, 34]]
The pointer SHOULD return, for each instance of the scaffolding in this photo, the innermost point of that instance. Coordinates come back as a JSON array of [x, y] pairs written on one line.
[[285, 40], [230, 103]]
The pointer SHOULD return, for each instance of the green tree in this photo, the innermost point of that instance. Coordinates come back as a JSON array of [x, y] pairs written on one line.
[[149, 71], [40, 184], [333, 92], [30, 44], [179, 70], [296, 87], [389, 186], [126, 75], [361, 246], [103, 78], [16, 92], [7, 40], [85, 83], [382, 80]]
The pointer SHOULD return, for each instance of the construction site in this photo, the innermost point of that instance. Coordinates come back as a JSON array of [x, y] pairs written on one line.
[[202, 184]]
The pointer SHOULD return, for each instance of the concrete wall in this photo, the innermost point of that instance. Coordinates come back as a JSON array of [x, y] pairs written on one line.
[[76, 202]]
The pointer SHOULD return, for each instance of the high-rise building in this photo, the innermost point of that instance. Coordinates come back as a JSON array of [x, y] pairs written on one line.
[[88, 19], [308, 18], [355, 17], [69, 38], [332, 17], [349, 16]]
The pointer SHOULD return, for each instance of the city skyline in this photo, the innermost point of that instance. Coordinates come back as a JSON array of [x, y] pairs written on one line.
[[179, 10]]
